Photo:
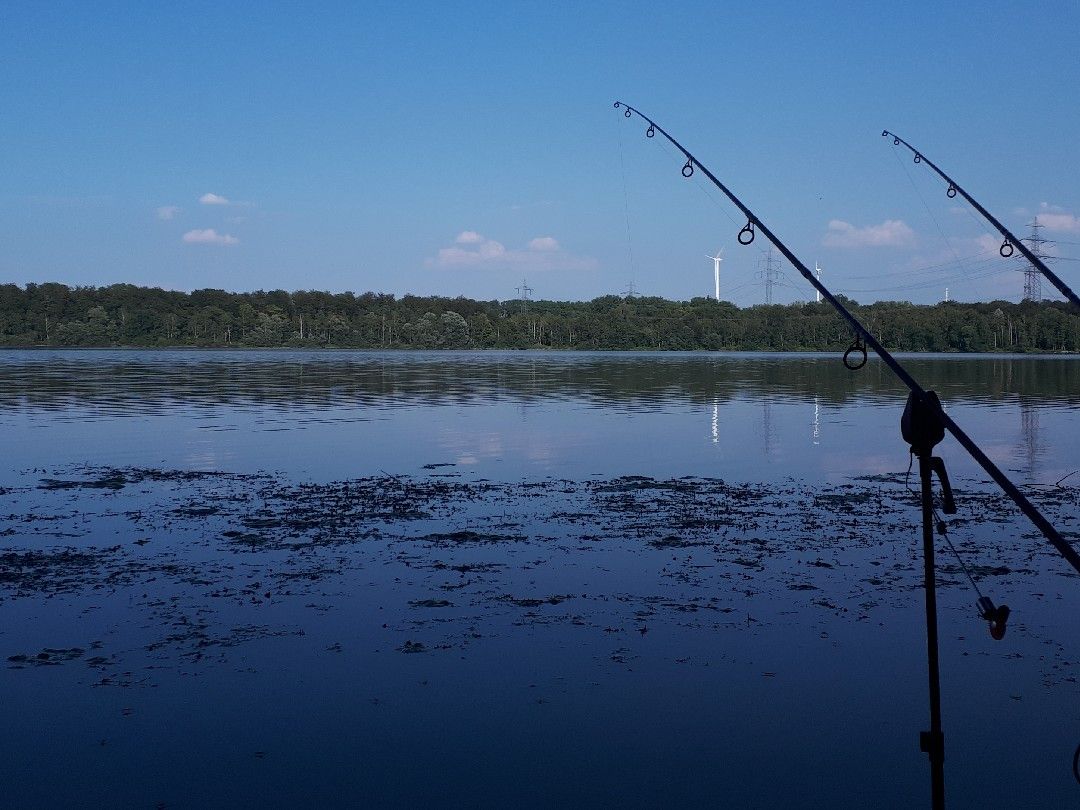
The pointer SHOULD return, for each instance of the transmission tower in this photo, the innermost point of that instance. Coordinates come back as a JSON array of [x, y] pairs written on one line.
[[523, 293], [1032, 277], [768, 272], [631, 291]]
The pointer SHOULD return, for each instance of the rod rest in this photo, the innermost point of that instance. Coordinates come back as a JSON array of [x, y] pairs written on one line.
[[922, 428]]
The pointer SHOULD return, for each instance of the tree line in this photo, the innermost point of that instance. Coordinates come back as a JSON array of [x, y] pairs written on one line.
[[127, 315]]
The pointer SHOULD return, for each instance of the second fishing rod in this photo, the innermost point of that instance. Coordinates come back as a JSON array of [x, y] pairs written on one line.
[[1011, 242]]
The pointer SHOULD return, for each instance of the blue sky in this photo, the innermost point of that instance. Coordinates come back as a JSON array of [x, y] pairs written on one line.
[[439, 148]]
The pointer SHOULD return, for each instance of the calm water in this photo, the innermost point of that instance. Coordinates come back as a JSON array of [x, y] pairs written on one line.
[[324, 416], [580, 658]]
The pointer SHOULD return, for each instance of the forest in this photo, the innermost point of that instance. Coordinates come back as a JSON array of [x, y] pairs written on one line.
[[124, 315]]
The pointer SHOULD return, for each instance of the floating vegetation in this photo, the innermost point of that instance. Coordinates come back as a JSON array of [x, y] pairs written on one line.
[[210, 562]]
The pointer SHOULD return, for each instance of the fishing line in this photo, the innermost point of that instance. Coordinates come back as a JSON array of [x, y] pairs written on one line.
[[941, 525], [922, 199], [802, 289], [626, 205], [967, 210], [956, 554], [747, 235], [712, 198], [704, 189], [697, 183]]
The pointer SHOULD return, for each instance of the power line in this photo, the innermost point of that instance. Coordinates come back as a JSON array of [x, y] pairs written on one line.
[[928, 269], [987, 272]]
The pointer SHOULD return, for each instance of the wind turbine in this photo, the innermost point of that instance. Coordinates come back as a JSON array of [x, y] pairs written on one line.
[[716, 269]]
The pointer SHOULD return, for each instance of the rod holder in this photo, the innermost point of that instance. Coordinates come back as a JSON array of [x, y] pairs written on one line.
[[922, 428]]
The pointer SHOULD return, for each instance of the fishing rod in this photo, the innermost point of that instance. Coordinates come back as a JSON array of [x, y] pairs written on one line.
[[1007, 247], [746, 236]]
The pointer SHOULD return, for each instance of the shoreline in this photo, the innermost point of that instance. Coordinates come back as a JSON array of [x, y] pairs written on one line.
[[532, 350]]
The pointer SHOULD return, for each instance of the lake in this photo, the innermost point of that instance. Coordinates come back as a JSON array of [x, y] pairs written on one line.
[[523, 579]]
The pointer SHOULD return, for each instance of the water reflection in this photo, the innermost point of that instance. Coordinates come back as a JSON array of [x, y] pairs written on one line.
[[767, 435], [508, 414], [1029, 434], [127, 382]]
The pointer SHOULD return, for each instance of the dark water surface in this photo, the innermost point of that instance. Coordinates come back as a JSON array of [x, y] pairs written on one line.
[[616, 580]]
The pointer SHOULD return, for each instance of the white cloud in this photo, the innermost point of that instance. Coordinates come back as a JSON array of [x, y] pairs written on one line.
[[1063, 223], [209, 236], [986, 243], [486, 251], [544, 243], [213, 199], [1055, 218], [542, 253], [890, 233], [168, 211]]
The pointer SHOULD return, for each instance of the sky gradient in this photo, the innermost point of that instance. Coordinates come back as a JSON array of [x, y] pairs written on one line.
[[454, 149]]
